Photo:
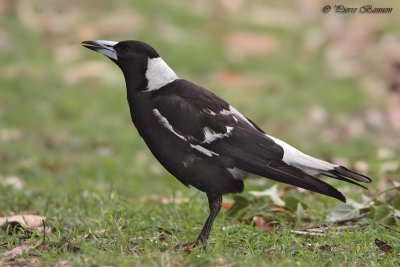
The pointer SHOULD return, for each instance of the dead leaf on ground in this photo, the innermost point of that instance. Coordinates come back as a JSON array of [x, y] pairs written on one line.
[[228, 204], [272, 193], [187, 247], [17, 251], [384, 246], [28, 222], [263, 225]]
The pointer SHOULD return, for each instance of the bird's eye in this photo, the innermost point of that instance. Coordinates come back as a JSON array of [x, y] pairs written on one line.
[[126, 50]]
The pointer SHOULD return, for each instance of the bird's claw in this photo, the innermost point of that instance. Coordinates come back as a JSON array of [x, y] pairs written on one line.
[[188, 247]]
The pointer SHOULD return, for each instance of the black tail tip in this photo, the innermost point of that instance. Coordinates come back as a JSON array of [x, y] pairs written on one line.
[[353, 175]]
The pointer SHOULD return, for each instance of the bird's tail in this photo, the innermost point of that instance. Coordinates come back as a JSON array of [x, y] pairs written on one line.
[[281, 172], [344, 174]]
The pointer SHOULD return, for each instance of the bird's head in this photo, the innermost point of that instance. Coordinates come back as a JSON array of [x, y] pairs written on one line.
[[143, 68]]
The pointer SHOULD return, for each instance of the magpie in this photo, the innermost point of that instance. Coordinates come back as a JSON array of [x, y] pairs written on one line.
[[202, 140]]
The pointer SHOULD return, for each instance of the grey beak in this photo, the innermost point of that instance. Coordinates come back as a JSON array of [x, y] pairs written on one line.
[[102, 46]]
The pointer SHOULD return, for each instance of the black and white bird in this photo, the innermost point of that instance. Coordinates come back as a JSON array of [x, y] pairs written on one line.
[[202, 140]]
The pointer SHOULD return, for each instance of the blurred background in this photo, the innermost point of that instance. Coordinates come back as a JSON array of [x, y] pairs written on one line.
[[327, 83]]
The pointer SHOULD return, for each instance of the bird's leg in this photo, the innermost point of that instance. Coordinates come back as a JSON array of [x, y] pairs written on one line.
[[215, 203]]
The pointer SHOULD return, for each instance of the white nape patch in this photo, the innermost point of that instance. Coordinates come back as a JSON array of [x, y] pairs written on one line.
[[158, 74], [210, 135], [166, 124], [238, 174], [293, 156], [204, 150]]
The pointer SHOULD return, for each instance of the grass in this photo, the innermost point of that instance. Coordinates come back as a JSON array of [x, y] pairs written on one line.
[[84, 166]]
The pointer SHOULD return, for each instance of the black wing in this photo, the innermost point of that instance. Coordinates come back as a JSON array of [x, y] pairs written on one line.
[[219, 133]]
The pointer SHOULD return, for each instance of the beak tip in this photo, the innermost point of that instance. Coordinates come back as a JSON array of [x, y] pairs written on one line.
[[87, 43], [101, 46]]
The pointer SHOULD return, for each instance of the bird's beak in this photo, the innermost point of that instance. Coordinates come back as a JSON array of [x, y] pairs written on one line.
[[102, 46]]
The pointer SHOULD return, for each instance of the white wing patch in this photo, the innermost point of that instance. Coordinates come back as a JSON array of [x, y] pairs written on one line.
[[210, 135], [209, 111], [166, 124], [158, 74], [203, 150], [235, 114], [293, 156]]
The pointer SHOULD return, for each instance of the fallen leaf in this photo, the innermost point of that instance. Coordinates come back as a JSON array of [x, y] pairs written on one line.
[[384, 246], [263, 225], [383, 214], [228, 204], [17, 251], [28, 222], [187, 250], [187, 247], [272, 193], [342, 212]]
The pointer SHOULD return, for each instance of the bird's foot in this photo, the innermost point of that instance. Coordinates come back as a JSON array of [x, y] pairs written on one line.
[[188, 247]]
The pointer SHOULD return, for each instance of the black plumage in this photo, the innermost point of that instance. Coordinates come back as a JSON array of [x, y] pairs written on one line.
[[201, 139]]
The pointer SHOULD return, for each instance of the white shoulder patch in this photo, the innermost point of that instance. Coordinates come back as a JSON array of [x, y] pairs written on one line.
[[158, 74], [166, 124], [210, 135]]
